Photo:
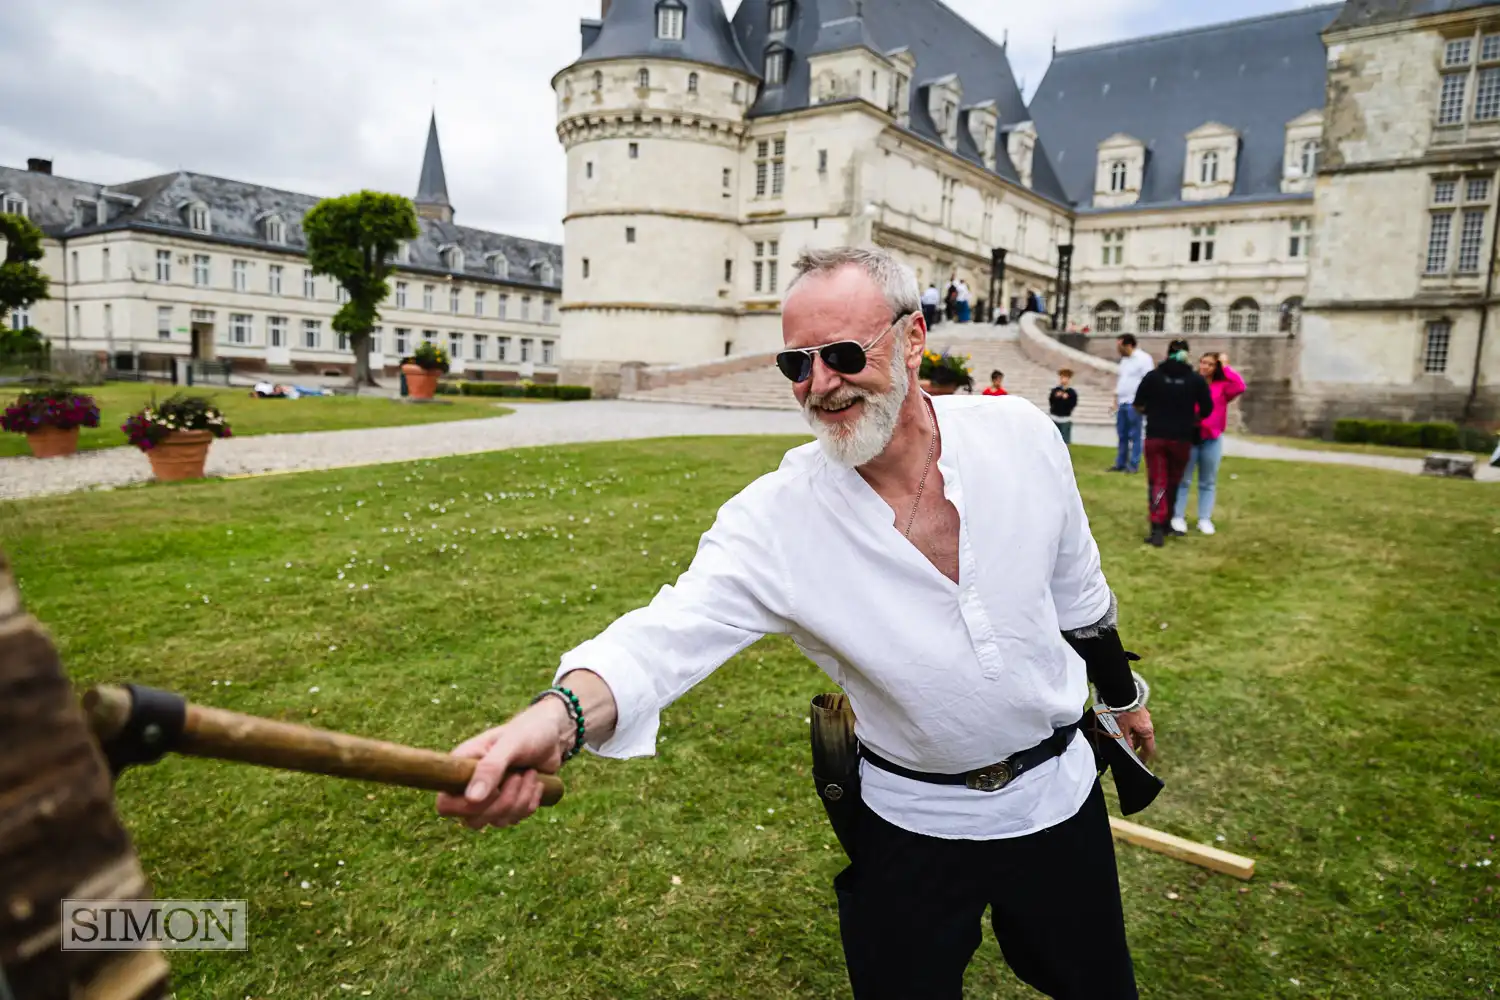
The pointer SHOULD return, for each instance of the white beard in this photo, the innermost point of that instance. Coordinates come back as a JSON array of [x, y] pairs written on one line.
[[853, 445]]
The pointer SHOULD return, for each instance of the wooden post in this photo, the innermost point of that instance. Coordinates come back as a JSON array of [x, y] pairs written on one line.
[[60, 836], [1183, 850]]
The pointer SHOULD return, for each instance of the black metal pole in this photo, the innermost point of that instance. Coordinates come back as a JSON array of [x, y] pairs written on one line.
[[997, 279], [1064, 286]]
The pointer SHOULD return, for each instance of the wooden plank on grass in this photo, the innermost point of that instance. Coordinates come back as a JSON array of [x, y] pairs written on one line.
[[1183, 850]]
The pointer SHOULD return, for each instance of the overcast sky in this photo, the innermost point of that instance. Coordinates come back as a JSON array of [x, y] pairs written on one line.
[[328, 96]]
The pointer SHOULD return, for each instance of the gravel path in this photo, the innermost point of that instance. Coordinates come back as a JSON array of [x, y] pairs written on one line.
[[530, 424]]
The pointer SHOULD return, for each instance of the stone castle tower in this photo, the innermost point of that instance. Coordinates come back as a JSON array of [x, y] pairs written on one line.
[[432, 188], [653, 117]]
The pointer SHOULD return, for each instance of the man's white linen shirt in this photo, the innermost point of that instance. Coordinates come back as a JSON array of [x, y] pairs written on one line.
[[943, 677], [1134, 367]]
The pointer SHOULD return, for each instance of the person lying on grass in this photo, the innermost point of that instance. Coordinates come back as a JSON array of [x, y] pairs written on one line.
[[933, 557]]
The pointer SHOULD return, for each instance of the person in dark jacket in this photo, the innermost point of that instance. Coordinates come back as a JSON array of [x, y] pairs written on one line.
[[1175, 399], [1061, 402]]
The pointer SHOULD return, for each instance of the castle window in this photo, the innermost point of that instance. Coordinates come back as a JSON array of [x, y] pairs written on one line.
[[198, 218], [1451, 99], [15, 205], [585, 267], [775, 73], [1300, 245], [1456, 52], [274, 229], [635, 151], [1290, 320], [544, 272], [598, 81], [1117, 175], [1201, 249], [692, 83], [1487, 95], [1196, 316], [738, 92], [453, 259], [1208, 168], [1435, 347], [766, 266], [670, 15], [643, 78], [1114, 247], [1244, 316], [629, 234], [1309, 157], [1107, 316], [499, 266], [1145, 317], [781, 14], [1489, 49], [770, 167]]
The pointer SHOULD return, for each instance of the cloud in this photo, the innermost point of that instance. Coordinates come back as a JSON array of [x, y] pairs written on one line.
[[333, 96]]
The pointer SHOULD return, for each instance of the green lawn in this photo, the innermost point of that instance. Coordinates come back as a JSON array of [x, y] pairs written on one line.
[[1315, 444], [248, 415], [1325, 689]]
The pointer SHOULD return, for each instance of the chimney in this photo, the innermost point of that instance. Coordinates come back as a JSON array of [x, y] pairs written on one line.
[[39, 166], [603, 9]]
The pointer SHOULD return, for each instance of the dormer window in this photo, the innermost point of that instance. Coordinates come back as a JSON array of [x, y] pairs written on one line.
[[1309, 158], [1208, 168], [403, 252], [499, 266], [781, 14], [273, 229], [776, 58], [1117, 174], [196, 214], [643, 78], [13, 204], [453, 258], [544, 273], [670, 15]]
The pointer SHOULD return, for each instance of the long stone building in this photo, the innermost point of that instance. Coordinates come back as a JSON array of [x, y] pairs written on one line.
[[1315, 186], [190, 266]]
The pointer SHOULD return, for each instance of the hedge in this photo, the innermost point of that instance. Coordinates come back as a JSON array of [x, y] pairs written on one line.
[[515, 390], [1435, 436]]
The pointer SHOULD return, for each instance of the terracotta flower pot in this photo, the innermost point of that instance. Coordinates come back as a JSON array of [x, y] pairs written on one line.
[[181, 455], [421, 383], [49, 442]]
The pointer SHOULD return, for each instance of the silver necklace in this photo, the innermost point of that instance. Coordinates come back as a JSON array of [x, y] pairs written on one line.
[[931, 450]]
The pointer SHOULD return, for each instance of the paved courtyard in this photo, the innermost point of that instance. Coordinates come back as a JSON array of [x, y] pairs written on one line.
[[529, 425]]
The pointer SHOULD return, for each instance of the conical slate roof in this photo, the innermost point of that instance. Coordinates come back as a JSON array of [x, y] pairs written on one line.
[[628, 31], [432, 189]]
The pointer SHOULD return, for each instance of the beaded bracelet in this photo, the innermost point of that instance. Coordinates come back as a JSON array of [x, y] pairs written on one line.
[[575, 715]]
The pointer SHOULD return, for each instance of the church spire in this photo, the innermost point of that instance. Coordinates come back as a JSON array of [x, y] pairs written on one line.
[[432, 190]]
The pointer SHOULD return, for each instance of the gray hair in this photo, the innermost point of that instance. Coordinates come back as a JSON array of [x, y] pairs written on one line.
[[896, 281]]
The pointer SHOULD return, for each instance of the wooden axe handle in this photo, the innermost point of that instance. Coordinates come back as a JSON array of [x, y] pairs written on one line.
[[249, 739]]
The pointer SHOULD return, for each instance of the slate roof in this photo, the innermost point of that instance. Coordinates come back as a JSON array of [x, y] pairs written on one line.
[[628, 31], [942, 43], [237, 209], [1362, 13], [1253, 75], [432, 187]]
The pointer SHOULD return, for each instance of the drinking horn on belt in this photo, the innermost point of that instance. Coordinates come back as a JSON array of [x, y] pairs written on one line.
[[835, 754]]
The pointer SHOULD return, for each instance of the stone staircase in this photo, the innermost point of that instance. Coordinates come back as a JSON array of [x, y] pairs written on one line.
[[755, 383]]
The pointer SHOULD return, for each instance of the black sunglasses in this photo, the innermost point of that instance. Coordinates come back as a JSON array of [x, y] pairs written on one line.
[[847, 357]]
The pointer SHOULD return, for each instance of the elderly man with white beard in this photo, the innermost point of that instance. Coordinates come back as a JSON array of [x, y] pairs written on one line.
[[933, 557]]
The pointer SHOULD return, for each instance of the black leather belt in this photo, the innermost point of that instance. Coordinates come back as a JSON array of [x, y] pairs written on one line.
[[993, 777]]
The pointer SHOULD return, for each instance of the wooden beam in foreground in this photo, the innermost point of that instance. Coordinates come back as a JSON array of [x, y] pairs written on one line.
[[1183, 850]]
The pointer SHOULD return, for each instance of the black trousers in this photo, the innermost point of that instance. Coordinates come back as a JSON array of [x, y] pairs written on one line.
[[910, 908]]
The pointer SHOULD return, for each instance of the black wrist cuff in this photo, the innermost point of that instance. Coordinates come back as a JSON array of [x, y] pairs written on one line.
[[1108, 666]]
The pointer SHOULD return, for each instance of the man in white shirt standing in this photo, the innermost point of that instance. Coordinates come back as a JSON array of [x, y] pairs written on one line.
[[930, 302], [1135, 364], [933, 557]]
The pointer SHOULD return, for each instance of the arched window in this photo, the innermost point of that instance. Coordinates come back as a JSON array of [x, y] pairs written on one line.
[[453, 259], [1208, 168], [1290, 319], [195, 214], [1107, 316], [499, 266], [775, 66], [1196, 316], [598, 80], [643, 78], [1309, 157], [692, 83], [1244, 316], [1117, 176], [670, 15], [273, 229], [1145, 317]]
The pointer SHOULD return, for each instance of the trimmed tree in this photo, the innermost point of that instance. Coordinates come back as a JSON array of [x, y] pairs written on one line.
[[353, 239], [21, 281]]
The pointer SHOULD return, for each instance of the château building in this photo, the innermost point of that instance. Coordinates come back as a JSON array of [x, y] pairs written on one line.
[[187, 265]]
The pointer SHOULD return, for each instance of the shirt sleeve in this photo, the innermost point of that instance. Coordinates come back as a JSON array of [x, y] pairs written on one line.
[[723, 603], [1079, 591], [1236, 385]]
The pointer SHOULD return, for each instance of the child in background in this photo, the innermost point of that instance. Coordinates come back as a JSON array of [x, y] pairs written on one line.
[[995, 388], [1061, 402]]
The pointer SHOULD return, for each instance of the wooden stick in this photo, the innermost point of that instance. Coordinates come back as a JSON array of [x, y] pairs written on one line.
[[1183, 850], [249, 739]]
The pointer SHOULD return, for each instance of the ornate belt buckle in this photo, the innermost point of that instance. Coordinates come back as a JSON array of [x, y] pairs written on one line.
[[989, 779]]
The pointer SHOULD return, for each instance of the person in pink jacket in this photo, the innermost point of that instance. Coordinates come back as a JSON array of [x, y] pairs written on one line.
[[1225, 384]]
